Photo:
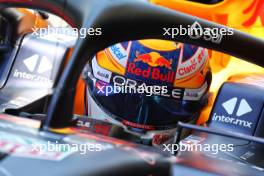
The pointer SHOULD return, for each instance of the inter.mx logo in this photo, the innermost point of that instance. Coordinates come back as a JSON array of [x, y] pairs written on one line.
[[31, 64], [35, 65], [243, 108], [230, 106]]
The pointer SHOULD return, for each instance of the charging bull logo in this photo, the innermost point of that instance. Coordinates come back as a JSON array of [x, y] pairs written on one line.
[[151, 66], [154, 59]]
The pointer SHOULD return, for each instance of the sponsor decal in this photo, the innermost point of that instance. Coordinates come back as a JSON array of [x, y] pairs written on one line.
[[136, 125], [195, 94], [193, 64], [101, 73], [163, 67], [243, 108], [153, 59], [152, 73], [102, 129], [236, 109], [98, 127], [120, 52], [151, 66], [117, 52], [229, 107], [36, 66], [232, 120]]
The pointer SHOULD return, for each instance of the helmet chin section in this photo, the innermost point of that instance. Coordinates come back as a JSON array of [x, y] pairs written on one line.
[[151, 137]]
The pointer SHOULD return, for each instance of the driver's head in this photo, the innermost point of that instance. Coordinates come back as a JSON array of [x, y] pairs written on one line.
[[148, 85]]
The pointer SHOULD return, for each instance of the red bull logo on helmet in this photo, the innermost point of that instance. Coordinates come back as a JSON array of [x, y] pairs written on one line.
[[151, 66], [154, 59], [162, 66]]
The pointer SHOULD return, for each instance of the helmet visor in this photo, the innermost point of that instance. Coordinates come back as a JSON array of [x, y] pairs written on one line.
[[150, 112]]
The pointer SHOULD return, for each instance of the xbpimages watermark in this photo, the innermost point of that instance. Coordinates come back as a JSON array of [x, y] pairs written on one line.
[[58, 147], [212, 148], [81, 33], [142, 89], [197, 31]]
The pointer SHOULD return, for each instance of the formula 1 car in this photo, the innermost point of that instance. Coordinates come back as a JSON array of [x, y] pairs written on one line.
[[37, 106]]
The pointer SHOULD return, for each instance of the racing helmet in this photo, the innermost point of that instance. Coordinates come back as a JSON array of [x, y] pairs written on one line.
[[148, 84]]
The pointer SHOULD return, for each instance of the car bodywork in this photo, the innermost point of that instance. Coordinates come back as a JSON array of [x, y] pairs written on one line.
[[120, 157]]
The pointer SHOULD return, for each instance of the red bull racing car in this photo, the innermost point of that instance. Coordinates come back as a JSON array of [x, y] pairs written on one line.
[[45, 127]]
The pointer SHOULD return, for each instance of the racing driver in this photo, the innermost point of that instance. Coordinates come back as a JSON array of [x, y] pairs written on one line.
[[146, 87]]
